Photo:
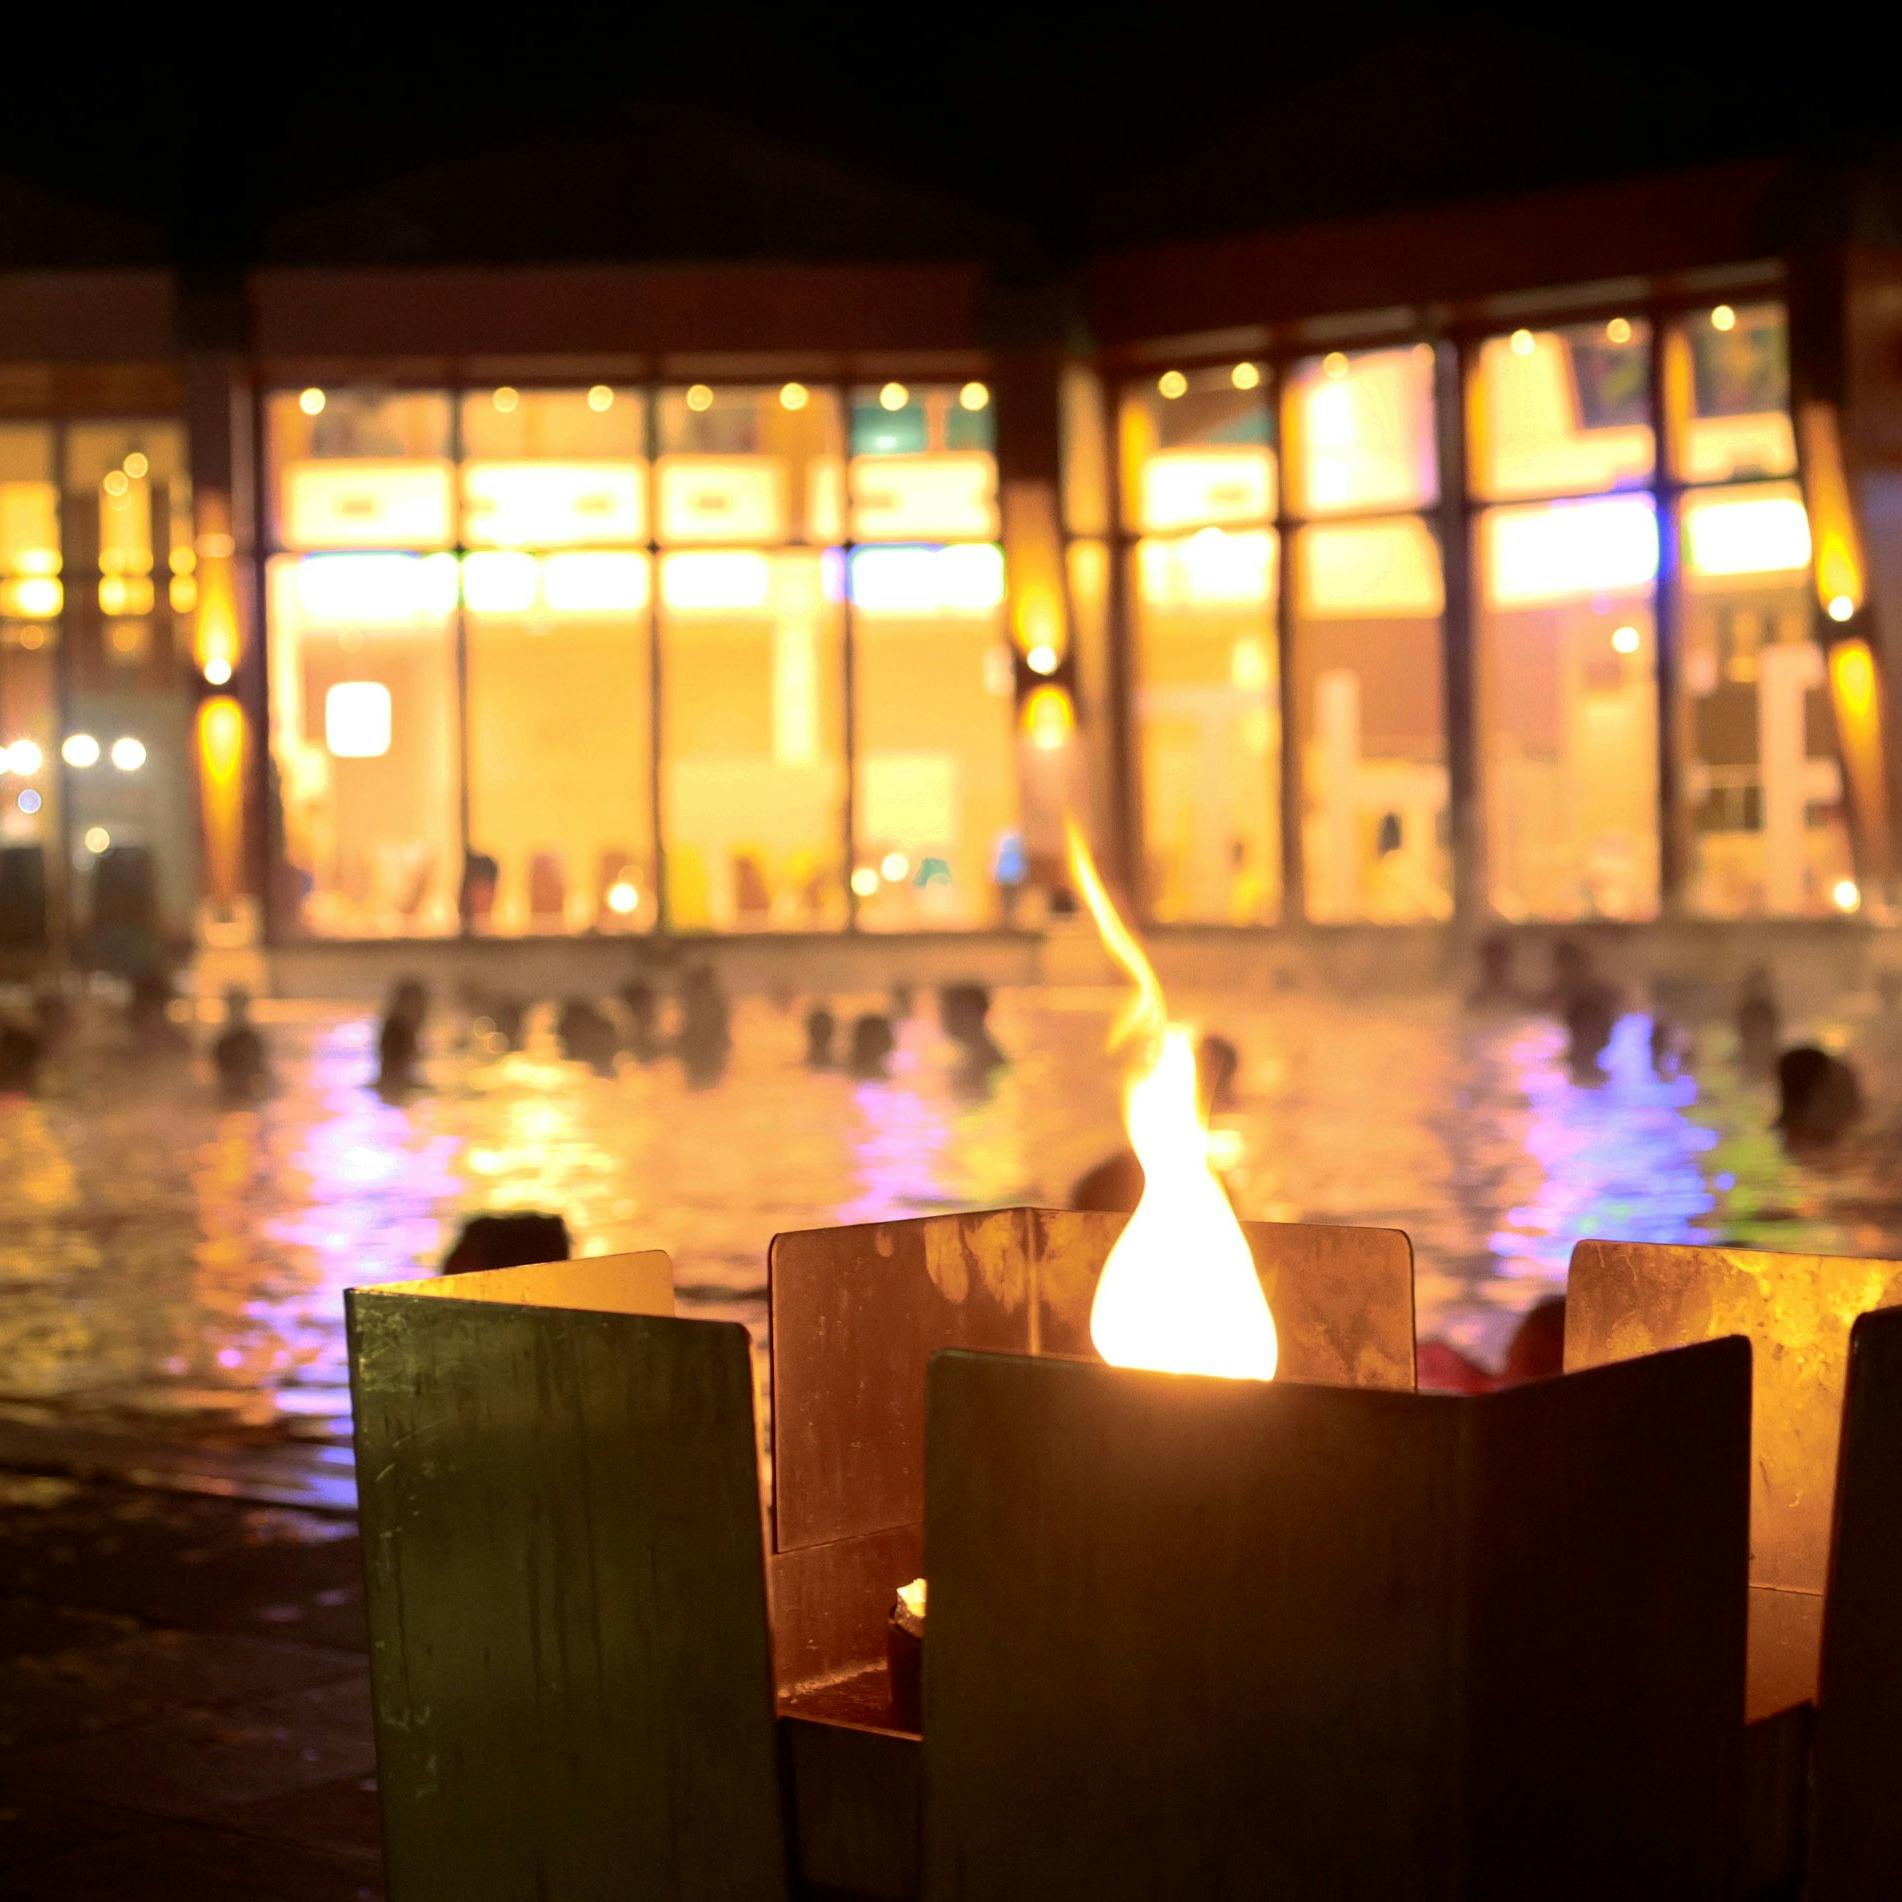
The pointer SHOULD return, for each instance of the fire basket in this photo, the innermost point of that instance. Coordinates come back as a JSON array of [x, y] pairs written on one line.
[[1186, 1636]]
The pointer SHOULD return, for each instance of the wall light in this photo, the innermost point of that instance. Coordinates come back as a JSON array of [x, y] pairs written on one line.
[[136, 466], [1723, 318], [794, 396], [1522, 343], [506, 399], [1840, 608], [1042, 659], [1245, 376], [1846, 895], [114, 483], [311, 402], [22, 757], [700, 397], [622, 898], [1618, 330], [128, 754], [974, 396], [1624, 640], [893, 866], [80, 750], [217, 671], [357, 719], [1172, 383], [1049, 718], [865, 881], [1334, 364], [600, 398], [893, 396], [97, 839]]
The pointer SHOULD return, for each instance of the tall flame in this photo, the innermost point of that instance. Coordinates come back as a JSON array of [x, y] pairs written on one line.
[[1179, 1291]]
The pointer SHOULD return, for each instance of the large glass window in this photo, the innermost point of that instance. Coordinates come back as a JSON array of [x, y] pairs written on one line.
[[365, 717], [557, 590], [1366, 610], [935, 786], [1564, 620], [1200, 476], [31, 596]]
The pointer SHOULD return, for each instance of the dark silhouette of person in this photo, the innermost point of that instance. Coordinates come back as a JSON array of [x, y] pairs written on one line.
[[1535, 1352], [1496, 987], [586, 1034], [1115, 1185], [149, 1007], [643, 1019], [399, 1037], [821, 1028], [963, 1010], [872, 1046], [1759, 1021], [1819, 1097], [706, 1027], [21, 1053], [237, 1052], [481, 874], [1217, 1062], [1669, 1047], [520, 1239]]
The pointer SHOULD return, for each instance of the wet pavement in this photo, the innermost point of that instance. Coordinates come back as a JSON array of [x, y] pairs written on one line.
[[183, 1708], [184, 1705]]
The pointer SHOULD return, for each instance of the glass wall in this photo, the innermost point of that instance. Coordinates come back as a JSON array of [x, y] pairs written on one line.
[[1565, 619], [1366, 609], [563, 659], [31, 597], [1763, 782], [1321, 542], [1200, 474]]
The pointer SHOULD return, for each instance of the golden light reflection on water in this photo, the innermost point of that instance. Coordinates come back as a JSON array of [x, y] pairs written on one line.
[[165, 1261]]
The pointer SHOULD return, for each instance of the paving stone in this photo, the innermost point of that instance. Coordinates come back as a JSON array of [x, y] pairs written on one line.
[[173, 1862], [135, 1679]]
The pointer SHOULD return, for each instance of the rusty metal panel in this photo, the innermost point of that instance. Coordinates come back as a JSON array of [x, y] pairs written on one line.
[[830, 1604], [1628, 1298], [1234, 1639], [638, 1283], [566, 1591], [1856, 1828], [855, 1802], [857, 1313]]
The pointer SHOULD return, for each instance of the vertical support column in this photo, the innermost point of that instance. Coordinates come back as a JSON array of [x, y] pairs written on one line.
[[1026, 379], [1293, 690], [1465, 790], [226, 649], [1667, 619]]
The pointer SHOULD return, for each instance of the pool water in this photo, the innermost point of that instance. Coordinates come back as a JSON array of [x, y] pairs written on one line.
[[169, 1266]]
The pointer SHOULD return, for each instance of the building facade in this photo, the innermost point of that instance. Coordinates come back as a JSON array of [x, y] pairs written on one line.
[[1514, 563]]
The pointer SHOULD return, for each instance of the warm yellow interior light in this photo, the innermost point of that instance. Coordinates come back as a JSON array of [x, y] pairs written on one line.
[[600, 398], [97, 839], [1049, 718], [1172, 383], [311, 402], [80, 750], [794, 396], [622, 898], [1723, 318], [1624, 640], [128, 754], [506, 399], [974, 396], [1522, 343], [1618, 330], [893, 866], [136, 466], [1840, 608], [115, 483], [1245, 376], [1042, 659], [1846, 894], [217, 671], [893, 396], [865, 881], [1334, 364], [700, 397]]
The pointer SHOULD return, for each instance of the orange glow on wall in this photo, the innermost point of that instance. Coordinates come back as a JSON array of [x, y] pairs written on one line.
[[1049, 718], [222, 744], [1856, 695], [217, 639], [1033, 565], [1839, 559]]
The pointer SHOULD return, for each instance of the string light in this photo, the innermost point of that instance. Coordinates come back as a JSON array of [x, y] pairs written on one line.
[[311, 402], [893, 396], [1618, 330], [1172, 383], [1723, 318], [794, 396], [700, 397], [1245, 376], [974, 396]]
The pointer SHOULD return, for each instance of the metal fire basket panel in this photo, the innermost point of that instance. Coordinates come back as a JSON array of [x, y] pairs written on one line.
[[1856, 1824], [1230, 1639], [1628, 1298], [563, 1544], [858, 1312]]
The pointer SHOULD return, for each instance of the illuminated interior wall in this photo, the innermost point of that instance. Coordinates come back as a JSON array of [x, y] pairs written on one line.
[[31, 597], [473, 598]]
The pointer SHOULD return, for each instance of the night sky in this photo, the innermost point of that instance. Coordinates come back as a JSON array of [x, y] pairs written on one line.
[[1032, 134]]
